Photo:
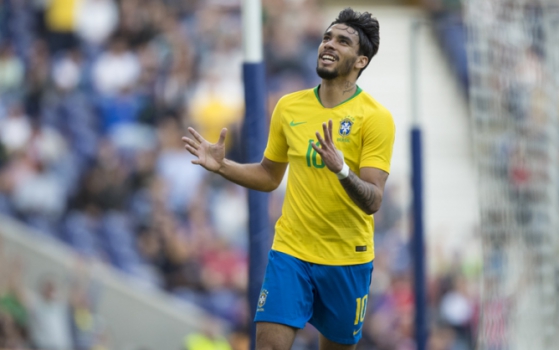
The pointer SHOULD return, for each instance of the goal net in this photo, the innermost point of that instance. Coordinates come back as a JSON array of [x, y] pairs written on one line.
[[513, 54]]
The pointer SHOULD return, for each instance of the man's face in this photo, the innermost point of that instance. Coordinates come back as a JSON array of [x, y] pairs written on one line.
[[338, 52]]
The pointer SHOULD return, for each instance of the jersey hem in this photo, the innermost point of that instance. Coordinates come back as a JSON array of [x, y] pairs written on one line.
[[320, 261]]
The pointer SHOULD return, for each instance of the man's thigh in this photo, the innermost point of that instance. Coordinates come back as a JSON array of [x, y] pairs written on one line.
[[326, 344], [340, 303], [274, 336], [287, 293]]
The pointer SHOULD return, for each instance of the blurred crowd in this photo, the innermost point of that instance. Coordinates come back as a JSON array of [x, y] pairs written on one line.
[[94, 98], [59, 313], [515, 162]]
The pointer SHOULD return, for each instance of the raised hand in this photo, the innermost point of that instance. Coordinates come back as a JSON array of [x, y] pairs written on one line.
[[209, 155], [327, 150]]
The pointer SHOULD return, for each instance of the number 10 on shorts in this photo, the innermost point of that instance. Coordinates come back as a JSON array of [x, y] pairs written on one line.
[[361, 309]]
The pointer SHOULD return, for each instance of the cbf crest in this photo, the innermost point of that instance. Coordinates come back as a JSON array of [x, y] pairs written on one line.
[[262, 299], [345, 126]]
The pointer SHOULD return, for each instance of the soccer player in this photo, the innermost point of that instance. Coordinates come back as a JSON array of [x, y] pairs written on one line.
[[338, 142]]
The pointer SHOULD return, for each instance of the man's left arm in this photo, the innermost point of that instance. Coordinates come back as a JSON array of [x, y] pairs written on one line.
[[365, 190]]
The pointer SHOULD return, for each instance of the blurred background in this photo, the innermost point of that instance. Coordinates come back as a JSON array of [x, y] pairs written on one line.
[[111, 239]]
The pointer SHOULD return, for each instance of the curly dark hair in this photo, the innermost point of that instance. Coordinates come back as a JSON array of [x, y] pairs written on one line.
[[367, 28]]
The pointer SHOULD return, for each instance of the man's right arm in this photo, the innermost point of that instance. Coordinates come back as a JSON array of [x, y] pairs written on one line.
[[264, 176]]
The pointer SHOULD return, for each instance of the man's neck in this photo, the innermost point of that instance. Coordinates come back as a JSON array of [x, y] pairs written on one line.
[[334, 92]]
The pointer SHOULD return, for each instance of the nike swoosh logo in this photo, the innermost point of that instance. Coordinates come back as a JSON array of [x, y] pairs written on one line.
[[295, 124], [357, 331]]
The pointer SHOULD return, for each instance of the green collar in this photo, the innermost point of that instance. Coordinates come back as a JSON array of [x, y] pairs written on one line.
[[357, 92]]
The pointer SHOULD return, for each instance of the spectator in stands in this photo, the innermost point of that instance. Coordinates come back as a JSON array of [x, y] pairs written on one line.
[[5, 205], [11, 71], [95, 21], [178, 265], [85, 324], [173, 167], [140, 20], [117, 69], [10, 337], [457, 311], [38, 74], [108, 183], [40, 196], [441, 339], [229, 225], [175, 47], [15, 128], [49, 317], [210, 338], [216, 102], [14, 319], [67, 72], [60, 22]]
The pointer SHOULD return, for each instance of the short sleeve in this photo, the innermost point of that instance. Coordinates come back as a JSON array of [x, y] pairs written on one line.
[[378, 140], [276, 149]]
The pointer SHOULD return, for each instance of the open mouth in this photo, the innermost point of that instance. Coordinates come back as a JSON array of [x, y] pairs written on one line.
[[327, 58]]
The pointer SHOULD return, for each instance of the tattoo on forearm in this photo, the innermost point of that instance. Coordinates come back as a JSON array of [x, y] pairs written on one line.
[[361, 192], [348, 87]]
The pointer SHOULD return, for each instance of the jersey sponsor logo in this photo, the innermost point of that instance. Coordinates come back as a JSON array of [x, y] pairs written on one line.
[[295, 124], [262, 299], [345, 126], [360, 248]]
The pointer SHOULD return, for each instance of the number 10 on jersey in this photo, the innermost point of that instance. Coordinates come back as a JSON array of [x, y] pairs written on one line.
[[312, 157]]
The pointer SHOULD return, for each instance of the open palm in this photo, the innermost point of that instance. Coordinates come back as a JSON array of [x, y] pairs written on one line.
[[209, 155]]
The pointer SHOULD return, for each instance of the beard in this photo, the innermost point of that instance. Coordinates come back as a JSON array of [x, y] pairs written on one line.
[[332, 74], [327, 74]]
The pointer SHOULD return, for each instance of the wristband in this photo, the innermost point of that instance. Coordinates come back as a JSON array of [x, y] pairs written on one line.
[[344, 172]]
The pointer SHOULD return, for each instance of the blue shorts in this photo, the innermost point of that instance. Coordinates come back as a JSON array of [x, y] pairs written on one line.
[[331, 298]]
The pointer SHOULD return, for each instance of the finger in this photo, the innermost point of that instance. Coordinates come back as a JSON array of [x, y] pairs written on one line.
[[196, 135], [327, 137], [191, 142], [192, 150], [330, 127], [316, 148], [222, 135], [320, 139]]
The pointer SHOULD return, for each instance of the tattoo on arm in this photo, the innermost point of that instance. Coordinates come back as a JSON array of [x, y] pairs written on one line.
[[348, 87], [361, 192]]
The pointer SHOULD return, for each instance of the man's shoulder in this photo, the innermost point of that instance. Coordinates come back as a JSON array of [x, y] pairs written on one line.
[[375, 108], [297, 96], [368, 98]]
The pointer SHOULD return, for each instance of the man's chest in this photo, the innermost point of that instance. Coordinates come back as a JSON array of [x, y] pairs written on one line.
[[301, 133]]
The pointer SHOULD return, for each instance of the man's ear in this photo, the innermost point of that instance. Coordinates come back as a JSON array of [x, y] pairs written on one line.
[[361, 62]]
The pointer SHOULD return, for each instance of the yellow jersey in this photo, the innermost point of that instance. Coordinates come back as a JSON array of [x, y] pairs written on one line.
[[320, 223]]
